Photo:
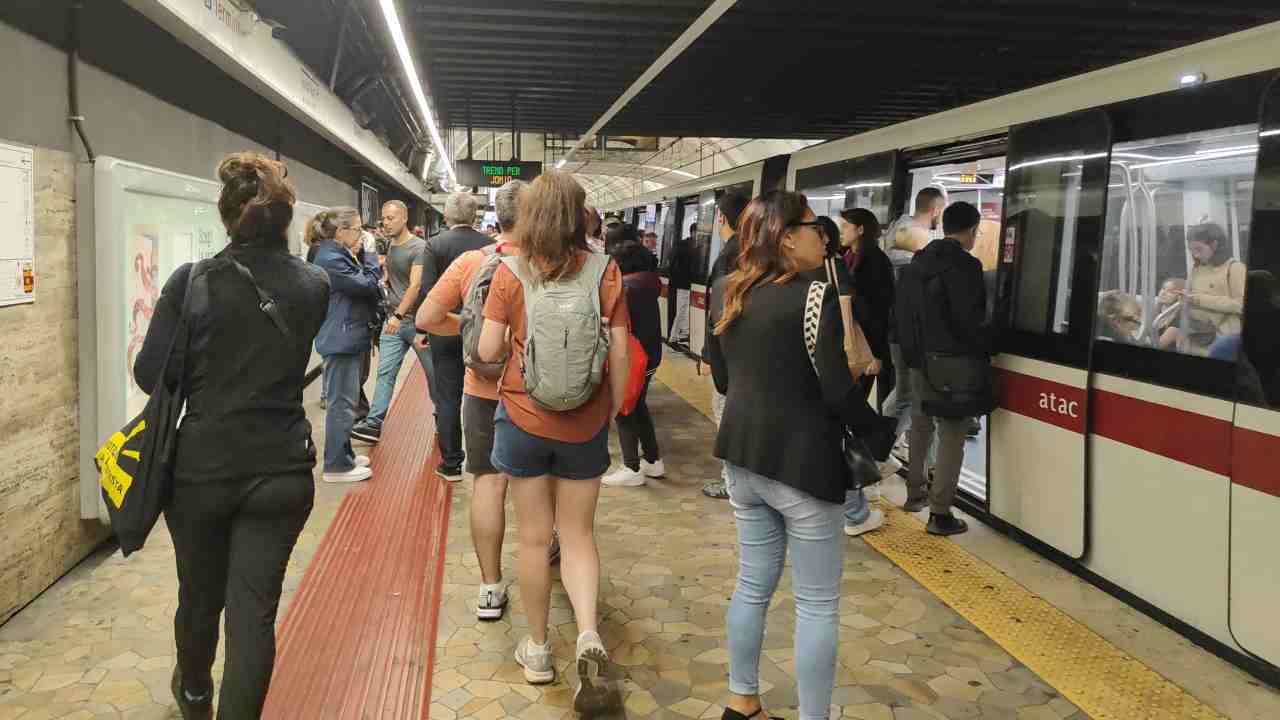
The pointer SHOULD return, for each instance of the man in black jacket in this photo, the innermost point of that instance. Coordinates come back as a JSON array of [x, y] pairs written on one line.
[[446, 350], [941, 308], [731, 204]]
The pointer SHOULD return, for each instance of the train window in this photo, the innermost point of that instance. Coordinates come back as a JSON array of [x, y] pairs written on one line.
[[1176, 237], [980, 182], [1258, 372], [863, 182]]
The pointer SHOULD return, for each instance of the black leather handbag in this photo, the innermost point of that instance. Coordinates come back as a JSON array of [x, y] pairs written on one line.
[[857, 456]]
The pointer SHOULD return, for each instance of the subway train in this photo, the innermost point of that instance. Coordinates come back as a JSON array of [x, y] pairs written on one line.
[[1135, 431]]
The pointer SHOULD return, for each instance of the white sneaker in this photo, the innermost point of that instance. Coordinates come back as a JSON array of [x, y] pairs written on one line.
[[902, 449], [873, 521], [889, 467], [492, 601], [539, 669], [871, 492], [355, 474], [362, 461], [595, 695], [624, 477], [653, 469]]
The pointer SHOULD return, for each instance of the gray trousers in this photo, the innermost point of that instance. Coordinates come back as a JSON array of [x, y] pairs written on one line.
[[951, 434]]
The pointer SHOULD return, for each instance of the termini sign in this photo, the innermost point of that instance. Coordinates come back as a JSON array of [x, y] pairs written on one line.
[[493, 173]]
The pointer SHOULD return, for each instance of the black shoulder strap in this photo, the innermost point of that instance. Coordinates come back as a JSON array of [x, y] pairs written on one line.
[[265, 301]]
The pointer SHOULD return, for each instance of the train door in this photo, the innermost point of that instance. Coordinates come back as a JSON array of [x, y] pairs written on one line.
[[980, 182], [1163, 361], [668, 233], [1255, 485], [700, 251], [1053, 212]]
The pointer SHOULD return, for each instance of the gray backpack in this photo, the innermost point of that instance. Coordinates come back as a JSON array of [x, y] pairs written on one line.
[[471, 319], [565, 344]]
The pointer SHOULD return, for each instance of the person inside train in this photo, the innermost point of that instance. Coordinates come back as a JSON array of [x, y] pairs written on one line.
[[651, 241], [905, 237], [730, 205], [555, 458], [1168, 307], [242, 472], [680, 281], [942, 310], [437, 316], [1119, 317], [637, 437], [1215, 290], [780, 437]]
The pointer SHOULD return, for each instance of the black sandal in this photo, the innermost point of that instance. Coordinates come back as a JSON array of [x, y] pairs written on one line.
[[731, 714]]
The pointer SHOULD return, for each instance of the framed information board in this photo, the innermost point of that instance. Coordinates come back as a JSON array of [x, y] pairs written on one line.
[[495, 173]]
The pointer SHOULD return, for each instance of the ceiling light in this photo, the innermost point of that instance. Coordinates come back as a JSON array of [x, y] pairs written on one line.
[[560, 164], [411, 72], [1193, 78]]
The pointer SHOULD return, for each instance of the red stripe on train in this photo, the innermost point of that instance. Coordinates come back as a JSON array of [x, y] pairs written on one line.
[[1187, 437], [1254, 456], [698, 299], [1044, 400]]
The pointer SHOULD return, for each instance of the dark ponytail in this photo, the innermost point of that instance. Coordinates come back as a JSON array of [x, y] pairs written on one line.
[[257, 199]]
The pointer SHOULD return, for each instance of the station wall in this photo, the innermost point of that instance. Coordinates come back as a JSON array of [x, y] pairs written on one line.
[[41, 533]]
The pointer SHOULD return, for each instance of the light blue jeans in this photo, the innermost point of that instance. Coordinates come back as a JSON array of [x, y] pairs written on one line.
[[770, 516], [898, 404], [391, 350], [856, 507]]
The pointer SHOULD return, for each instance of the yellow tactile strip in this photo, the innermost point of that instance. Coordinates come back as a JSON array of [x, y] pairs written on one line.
[[1095, 675], [1098, 677]]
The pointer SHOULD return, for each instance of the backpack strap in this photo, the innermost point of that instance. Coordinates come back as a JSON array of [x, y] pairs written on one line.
[[597, 265], [813, 321]]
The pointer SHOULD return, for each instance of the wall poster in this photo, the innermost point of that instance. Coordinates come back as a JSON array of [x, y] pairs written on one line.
[[17, 225]]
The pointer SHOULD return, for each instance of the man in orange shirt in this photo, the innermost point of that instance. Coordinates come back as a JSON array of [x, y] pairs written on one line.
[[479, 402]]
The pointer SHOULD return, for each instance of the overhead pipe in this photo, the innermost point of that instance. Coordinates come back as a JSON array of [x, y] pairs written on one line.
[[73, 77]]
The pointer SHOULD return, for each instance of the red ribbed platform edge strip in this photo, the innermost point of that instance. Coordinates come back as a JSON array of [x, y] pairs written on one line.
[[359, 638]]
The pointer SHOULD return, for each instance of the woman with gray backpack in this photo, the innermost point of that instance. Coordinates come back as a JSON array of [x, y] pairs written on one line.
[[557, 313]]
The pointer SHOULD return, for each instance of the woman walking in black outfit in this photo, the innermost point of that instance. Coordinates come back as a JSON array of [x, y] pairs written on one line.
[[242, 477], [636, 431]]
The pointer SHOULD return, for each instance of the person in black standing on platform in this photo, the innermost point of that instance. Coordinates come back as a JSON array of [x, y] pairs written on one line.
[[731, 204], [942, 308], [679, 283], [242, 473], [446, 350], [637, 437]]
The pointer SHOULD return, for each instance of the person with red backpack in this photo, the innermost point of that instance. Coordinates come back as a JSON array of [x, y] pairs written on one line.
[[635, 428]]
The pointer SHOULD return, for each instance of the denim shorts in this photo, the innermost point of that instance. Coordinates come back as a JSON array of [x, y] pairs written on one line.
[[522, 455]]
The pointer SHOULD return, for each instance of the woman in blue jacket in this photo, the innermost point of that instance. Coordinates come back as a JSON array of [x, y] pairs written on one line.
[[354, 297]]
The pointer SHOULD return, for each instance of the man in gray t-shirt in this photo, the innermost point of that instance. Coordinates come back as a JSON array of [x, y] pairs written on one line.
[[403, 271]]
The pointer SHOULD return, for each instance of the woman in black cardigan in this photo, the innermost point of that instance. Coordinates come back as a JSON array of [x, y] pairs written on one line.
[[781, 440]]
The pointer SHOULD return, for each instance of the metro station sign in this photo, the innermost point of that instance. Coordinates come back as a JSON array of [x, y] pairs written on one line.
[[494, 173]]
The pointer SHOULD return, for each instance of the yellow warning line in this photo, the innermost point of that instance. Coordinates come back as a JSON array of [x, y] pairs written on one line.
[[1099, 678]]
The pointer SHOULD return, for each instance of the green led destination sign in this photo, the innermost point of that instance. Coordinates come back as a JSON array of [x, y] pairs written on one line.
[[494, 173]]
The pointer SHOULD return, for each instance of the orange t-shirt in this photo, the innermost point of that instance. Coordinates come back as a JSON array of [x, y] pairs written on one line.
[[506, 306], [450, 291]]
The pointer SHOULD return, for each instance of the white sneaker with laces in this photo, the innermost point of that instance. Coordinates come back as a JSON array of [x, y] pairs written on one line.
[[655, 469], [594, 696], [492, 601], [355, 474], [873, 521], [624, 477], [362, 461], [536, 661]]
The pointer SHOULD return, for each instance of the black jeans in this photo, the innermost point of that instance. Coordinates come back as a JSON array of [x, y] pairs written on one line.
[[362, 405], [232, 540], [636, 431], [446, 356]]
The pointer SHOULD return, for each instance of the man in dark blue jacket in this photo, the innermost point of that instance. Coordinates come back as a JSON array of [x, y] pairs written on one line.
[[354, 298], [941, 309]]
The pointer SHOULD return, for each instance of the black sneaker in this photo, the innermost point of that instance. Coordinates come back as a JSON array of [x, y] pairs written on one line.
[[199, 709], [366, 432], [915, 504], [452, 473], [945, 525]]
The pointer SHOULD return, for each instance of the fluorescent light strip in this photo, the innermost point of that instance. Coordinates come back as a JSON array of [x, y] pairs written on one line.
[[1269, 133], [415, 84], [867, 185], [1063, 158], [1196, 158]]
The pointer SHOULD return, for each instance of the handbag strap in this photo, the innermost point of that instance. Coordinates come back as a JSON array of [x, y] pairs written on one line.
[[266, 303], [813, 321]]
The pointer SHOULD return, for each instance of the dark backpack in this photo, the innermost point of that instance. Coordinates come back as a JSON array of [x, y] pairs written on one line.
[[471, 319]]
